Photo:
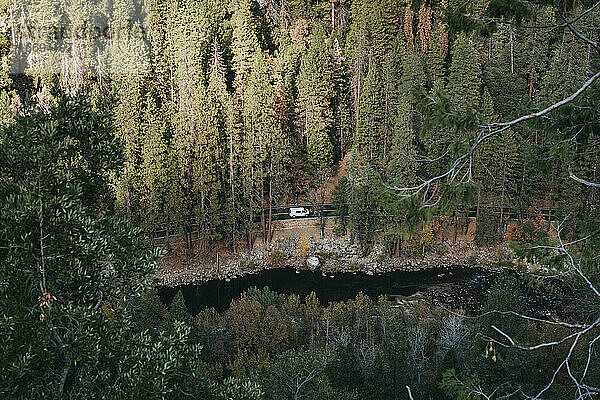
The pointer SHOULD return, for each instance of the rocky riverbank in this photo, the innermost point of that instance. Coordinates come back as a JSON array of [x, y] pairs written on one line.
[[330, 256]]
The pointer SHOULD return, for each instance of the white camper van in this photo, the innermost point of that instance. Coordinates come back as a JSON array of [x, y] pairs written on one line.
[[299, 212]]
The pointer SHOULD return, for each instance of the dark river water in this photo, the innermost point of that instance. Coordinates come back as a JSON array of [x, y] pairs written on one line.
[[456, 287]]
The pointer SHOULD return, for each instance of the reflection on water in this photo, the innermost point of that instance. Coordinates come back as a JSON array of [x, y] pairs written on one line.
[[467, 286]]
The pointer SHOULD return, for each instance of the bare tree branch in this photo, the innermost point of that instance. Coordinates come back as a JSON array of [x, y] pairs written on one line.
[[577, 33], [563, 25], [461, 169], [410, 396], [584, 391], [582, 181], [566, 100], [516, 314], [486, 132]]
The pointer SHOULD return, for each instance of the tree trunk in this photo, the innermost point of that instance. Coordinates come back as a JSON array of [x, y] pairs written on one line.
[[512, 55], [501, 223], [63, 375], [478, 203], [365, 244], [263, 221], [455, 217], [270, 225], [128, 198], [251, 214], [232, 216], [332, 17]]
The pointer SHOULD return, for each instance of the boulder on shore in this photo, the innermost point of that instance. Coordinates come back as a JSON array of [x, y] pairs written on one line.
[[313, 262]]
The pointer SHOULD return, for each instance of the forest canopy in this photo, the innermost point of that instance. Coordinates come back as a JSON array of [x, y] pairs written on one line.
[[227, 108], [116, 115]]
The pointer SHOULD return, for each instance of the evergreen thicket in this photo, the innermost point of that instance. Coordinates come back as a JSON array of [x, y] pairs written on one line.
[[228, 108]]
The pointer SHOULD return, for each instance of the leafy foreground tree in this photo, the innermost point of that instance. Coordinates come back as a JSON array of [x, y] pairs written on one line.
[[69, 271]]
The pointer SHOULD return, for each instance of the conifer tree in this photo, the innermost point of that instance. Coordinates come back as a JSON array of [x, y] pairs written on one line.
[[407, 122], [401, 167], [498, 161], [160, 20], [219, 103], [257, 122], [436, 137], [537, 46], [316, 93], [368, 129], [127, 58], [244, 42], [179, 314], [436, 56], [198, 123], [128, 53], [381, 34], [357, 49], [463, 79], [155, 173], [506, 73], [378, 384], [128, 121], [391, 74], [342, 100], [319, 148], [316, 87]]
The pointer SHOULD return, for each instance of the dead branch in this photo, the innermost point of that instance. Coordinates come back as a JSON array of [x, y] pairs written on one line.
[[582, 181]]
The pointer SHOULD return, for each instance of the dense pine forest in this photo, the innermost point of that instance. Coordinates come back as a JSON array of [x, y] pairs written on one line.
[[227, 108], [118, 115]]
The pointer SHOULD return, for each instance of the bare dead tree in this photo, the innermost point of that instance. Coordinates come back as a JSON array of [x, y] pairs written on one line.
[[302, 376], [416, 350], [452, 335]]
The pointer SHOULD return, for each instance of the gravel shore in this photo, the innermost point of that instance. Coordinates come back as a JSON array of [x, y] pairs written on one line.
[[333, 255]]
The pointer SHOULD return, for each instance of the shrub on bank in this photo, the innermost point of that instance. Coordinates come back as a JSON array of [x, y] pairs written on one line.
[[486, 230]]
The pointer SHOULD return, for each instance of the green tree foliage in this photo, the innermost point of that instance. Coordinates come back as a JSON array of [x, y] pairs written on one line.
[[340, 198], [74, 269], [368, 138], [7, 96], [297, 374], [464, 76], [402, 166], [507, 71], [378, 383], [500, 159], [316, 91], [343, 369], [505, 364], [486, 231], [128, 120], [157, 171], [363, 204], [449, 363], [407, 123], [357, 49], [178, 311], [149, 313], [226, 110]]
